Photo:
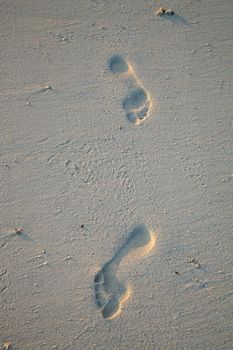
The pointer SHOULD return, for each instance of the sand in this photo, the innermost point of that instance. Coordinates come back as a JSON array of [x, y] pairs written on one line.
[[112, 119]]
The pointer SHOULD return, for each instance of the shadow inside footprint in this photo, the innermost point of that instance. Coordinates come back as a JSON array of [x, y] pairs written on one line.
[[118, 65], [111, 308], [138, 238], [109, 291], [99, 295], [135, 99]]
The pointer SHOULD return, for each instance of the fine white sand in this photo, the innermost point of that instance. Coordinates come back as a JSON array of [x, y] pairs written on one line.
[[116, 137]]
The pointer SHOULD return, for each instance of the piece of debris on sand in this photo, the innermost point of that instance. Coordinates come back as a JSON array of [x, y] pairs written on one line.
[[164, 11], [7, 345], [19, 230]]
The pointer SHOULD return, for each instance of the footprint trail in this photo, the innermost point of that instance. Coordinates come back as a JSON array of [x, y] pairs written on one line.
[[110, 293], [137, 103]]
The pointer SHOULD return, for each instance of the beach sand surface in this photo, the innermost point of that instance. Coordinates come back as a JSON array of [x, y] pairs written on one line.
[[116, 162]]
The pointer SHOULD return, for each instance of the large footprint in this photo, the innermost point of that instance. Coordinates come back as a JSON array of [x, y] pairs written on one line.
[[137, 103], [110, 293]]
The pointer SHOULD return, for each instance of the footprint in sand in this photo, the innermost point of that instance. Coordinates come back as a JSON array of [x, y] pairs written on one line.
[[110, 293], [137, 103]]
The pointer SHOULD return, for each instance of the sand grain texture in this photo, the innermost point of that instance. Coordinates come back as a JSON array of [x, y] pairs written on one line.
[[78, 173]]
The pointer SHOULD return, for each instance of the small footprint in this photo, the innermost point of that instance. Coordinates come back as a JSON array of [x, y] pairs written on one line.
[[110, 293], [137, 103]]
